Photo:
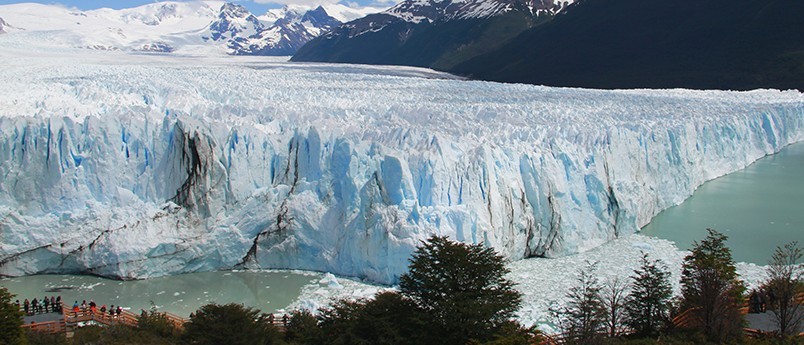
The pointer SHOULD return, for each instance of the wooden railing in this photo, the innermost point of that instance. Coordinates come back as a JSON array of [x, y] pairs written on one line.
[[69, 319], [51, 327], [125, 317]]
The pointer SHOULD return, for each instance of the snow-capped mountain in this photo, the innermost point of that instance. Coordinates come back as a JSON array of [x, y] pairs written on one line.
[[234, 21], [287, 33], [195, 26], [445, 10], [435, 11], [430, 33]]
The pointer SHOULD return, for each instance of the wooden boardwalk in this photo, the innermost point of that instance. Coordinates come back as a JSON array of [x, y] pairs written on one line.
[[69, 320], [687, 319]]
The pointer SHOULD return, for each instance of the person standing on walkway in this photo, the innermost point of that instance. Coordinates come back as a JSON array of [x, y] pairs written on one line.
[[53, 304], [46, 301], [35, 305], [75, 308], [26, 306]]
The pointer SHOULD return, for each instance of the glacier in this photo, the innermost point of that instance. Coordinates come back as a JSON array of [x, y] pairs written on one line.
[[136, 166]]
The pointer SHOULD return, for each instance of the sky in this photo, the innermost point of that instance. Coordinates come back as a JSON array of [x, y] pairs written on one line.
[[255, 6]]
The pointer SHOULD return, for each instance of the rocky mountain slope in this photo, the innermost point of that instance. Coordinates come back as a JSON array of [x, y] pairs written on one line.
[[430, 33], [722, 44]]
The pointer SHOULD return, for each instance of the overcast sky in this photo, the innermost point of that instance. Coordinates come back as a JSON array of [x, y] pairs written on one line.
[[255, 6]]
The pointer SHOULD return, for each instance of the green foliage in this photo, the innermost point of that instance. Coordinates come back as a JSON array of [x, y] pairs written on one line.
[[583, 319], [785, 282], [10, 320], [710, 288], [649, 302], [462, 288], [389, 319], [116, 335], [303, 329], [158, 324], [38, 338], [511, 333], [231, 324]]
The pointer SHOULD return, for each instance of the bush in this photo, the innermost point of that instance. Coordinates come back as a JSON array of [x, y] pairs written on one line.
[[116, 335], [303, 329], [37, 338], [389, 318], [158, 324], [231, 324]]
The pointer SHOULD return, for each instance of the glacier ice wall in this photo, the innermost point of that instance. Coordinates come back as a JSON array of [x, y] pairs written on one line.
[[140, 170]]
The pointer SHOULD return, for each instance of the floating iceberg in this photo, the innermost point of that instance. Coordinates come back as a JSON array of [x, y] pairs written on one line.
[[136, 166]]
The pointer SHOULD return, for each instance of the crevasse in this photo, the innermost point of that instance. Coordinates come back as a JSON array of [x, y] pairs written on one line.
[[141, 171]]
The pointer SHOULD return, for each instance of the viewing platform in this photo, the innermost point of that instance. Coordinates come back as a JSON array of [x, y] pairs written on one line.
[[67, 320]]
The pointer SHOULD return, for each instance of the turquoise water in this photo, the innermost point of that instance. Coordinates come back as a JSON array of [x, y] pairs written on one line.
[[758, 208], [180, 295]]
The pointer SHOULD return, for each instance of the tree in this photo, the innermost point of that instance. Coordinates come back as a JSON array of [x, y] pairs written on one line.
[[303, 328], [11, 320], [231, 324], [649, 302], [462, 288], [710, 289], [388, 318], [584, 316], [614, 296], [785, 282]]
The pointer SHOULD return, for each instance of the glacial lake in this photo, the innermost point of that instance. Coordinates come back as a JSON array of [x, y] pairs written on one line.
[[182, 294], [758, 208]]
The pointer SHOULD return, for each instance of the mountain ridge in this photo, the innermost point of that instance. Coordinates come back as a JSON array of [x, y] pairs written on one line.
[[206, 27], [713, 44], [429, 33]]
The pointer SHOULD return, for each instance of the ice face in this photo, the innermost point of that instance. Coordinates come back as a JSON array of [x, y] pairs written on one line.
[[132, 167]]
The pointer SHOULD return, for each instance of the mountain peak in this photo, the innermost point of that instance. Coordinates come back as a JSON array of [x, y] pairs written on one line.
[[232, 20], [198, 26], [291, 28], [320, 18], [231, 10], [430, 33]]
